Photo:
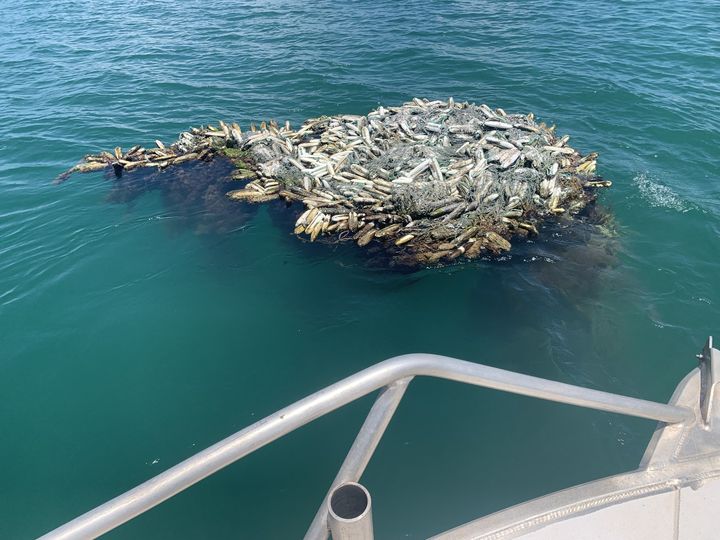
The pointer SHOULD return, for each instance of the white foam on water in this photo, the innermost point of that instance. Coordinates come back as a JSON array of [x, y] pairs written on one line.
[[658, 194]]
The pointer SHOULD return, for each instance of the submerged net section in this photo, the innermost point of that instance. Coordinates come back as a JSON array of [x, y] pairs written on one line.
[[427, 182]]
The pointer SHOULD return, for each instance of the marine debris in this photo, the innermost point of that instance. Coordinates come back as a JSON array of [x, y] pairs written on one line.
[[427, 182]]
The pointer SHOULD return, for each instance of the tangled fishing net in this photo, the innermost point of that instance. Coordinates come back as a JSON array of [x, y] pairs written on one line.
[[426, 182]]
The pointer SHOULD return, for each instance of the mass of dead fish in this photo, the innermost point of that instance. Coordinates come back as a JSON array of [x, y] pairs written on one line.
[[427, 182]]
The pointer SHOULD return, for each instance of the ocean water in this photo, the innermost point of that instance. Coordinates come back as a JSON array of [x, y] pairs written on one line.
[[142, 321]]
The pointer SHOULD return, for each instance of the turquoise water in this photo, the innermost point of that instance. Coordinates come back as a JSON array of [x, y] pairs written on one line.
[[141, 322]]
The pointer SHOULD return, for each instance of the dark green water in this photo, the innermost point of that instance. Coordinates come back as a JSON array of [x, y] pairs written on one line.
[[137, 327]]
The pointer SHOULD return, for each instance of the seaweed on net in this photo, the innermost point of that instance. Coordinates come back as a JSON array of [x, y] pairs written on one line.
[[195, 196]]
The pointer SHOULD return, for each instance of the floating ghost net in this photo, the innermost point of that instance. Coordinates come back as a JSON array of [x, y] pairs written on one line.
[[426, 183]]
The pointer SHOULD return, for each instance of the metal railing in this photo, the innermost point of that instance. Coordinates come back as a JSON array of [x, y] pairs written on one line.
[[393, 376]]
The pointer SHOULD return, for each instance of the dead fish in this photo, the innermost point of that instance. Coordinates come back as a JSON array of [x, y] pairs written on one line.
[[468, 233], [362, 232], [250, 195], [404, 240], [508, 158], [419, 168], [388, 231], [81, 168], [600, 183], [302, 220], [530, 227], [497, 241], [456, 253], [588, 167], [366, 238], [494, 124], [499, 142], [559, 149], [474, 250], [352, 221], [186, 157]]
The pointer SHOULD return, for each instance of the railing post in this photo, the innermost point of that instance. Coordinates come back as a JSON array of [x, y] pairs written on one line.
[[361, 450], [350, 512]]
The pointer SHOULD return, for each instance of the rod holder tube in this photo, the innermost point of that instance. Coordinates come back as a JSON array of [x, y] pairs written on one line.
[[350, 512]]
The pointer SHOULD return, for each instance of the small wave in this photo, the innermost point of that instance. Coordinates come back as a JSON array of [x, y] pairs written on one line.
[[659, 195]]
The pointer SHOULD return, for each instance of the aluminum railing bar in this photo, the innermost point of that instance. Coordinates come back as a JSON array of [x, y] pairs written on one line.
[[361, 450], [154, 491], [527, 385]]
